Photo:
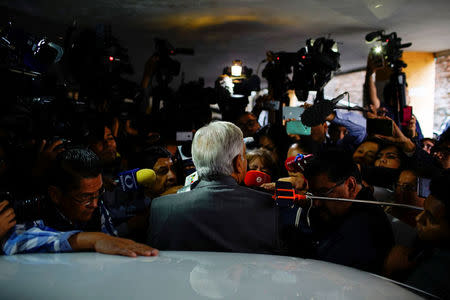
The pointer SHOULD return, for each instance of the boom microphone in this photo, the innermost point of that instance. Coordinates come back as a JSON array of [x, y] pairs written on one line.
[[256, 178], [285, 196], [131, 180], [318, 112]]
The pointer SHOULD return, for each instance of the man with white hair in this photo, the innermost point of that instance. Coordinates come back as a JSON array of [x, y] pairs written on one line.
[[217, 214]]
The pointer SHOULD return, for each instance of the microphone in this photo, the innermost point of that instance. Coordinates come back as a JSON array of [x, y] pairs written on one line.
[[316, 114], [297, 163], [256, 178], [131, 180], [285, 196]]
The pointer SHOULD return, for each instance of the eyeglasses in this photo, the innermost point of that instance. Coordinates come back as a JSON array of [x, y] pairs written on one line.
[[323, 192], [88, 199]]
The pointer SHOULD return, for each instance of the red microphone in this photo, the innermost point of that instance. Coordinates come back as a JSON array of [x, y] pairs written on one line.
[[297, 163], [256, 178]]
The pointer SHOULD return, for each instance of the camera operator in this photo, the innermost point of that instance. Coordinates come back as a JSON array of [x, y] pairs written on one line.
[[390, 105], [73, 216]]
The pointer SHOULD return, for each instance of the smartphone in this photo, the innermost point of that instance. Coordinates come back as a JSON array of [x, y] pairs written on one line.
[[380, 126], [407, 115], [423, 187], [183, 136], [291, 112], [297, 127]]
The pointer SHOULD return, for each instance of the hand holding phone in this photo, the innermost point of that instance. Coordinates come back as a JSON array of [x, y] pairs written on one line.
[[397, 137], [380, 126]]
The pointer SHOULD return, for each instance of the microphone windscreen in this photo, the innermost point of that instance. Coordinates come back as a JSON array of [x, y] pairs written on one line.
[[256, 178], [316, 114], [145, 177]]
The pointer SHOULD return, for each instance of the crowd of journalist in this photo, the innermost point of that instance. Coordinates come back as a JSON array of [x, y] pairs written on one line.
[[197, 195]]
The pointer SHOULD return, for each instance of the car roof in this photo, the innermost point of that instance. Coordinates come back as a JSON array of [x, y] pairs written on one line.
[[187, 275]]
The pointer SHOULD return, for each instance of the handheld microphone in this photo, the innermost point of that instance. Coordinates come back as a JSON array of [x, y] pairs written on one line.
[[131, 180], [256, 178], [285, 196], [318, 112], [297, 163]]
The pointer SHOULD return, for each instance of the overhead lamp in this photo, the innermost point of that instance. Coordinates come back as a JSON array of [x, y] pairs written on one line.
[[236, 68]]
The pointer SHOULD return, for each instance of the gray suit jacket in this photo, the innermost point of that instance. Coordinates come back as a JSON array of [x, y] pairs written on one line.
[[216, 215]]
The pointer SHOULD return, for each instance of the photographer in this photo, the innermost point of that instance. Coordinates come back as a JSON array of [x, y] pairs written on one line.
[[390, 105], [73, 216]]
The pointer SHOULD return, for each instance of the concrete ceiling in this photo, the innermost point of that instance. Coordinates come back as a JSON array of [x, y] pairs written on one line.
[[221, 31]]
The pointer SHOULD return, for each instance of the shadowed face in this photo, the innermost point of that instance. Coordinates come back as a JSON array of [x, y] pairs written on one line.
[[432, 223], [388, 158], [106, 149], [366, 153], [257, 164], [329, 210], [78, 205], [165, 175]]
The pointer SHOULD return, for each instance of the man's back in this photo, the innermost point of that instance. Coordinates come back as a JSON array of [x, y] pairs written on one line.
[[215, 216]]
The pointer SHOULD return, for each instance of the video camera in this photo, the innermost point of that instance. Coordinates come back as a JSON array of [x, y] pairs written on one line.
[[389, 49], [312, 66], [168, 67]]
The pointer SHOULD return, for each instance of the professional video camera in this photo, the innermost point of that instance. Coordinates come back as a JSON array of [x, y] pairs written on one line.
[[168, 67], [389, 48], [25, 208], [312, 67], [389, 53]]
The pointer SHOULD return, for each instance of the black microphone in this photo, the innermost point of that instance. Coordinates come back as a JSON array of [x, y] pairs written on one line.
[[372, 35], [316, 114]]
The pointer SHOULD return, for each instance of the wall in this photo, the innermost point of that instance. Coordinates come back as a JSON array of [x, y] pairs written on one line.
[[428, 84], [442, 91], [420, 76], [350, 82]]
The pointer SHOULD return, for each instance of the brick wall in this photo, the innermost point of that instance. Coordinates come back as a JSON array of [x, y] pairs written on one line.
[[351, 82], [442, 91]]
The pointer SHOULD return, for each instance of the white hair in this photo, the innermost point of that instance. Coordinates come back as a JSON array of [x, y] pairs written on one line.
[[214, 147]]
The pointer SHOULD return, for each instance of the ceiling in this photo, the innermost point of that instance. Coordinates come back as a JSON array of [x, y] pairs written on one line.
[[221, 31]]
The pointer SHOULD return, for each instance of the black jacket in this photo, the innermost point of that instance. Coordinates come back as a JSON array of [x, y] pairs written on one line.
[[216, 215]]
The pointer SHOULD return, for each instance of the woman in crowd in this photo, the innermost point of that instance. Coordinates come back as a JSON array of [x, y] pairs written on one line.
[[261, 160]]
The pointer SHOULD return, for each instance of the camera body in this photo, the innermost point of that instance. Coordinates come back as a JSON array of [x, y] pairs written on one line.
[[389, 49], [312, 66], [27, 209]]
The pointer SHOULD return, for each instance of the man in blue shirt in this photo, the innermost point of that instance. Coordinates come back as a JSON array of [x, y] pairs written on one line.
[[73, 217]]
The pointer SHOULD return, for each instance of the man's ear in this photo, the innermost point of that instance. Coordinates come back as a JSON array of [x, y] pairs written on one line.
[[55, 194], [352, 187], [237, 164]]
